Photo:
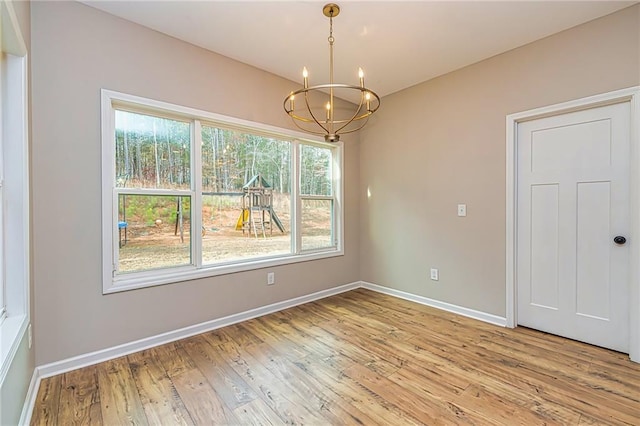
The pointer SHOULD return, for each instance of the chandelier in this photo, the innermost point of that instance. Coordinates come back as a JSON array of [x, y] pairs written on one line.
[[317, 113]]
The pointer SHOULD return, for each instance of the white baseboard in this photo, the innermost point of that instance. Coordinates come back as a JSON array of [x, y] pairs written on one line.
[[102, 355], [460, 310], [59, 367], [30, 399]]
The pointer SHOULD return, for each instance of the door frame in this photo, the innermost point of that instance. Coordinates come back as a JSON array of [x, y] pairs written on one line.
[[631, 95]]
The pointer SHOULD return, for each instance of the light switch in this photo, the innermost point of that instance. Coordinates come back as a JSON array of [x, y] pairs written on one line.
[[462, 209]]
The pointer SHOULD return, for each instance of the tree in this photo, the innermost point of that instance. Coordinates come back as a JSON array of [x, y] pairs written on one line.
[[155, 153]]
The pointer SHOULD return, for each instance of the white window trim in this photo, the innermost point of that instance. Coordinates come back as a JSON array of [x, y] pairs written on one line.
[[16, 188], [112, 284]]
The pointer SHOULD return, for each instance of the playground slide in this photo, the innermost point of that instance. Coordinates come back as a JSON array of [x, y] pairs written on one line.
[[244, 216], [276, 220]]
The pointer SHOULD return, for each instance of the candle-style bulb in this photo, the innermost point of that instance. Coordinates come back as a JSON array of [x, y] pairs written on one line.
[[360, 73], [328, 106], [305, 73]]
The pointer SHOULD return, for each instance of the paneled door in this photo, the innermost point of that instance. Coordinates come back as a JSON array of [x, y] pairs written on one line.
[[573, 211]]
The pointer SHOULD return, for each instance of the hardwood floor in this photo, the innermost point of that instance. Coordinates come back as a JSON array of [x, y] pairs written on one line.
[[356, 358]]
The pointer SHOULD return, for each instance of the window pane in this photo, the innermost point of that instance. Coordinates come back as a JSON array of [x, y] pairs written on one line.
[[315, 171], [317, 224], [246, 204], [152, 152], [153, 231]]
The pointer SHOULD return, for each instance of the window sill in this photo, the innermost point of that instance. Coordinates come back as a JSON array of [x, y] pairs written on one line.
[[154, 278], [12, 331]]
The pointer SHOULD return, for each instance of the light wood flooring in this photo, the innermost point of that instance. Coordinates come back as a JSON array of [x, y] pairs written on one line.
[[356, 358]]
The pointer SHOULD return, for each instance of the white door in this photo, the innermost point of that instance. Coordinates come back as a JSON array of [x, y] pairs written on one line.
[[573, 200]]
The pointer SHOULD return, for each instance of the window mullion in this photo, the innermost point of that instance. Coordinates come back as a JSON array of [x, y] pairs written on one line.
[[111, 150], [317, 197], [338, 193], [154, 191], [196, 200], [296, 205], [115, 260]]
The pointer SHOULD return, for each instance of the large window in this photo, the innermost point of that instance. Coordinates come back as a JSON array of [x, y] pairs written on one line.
[[190, 194]]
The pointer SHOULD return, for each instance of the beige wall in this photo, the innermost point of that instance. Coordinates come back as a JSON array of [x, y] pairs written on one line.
[[429, 148], [16, 383], [442, 142], [78, 50]]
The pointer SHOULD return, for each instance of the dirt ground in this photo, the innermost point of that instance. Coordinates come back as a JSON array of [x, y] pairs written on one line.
[[157, 246]]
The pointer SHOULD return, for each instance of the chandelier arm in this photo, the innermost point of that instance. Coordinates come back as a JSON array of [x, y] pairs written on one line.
[[306, 102], [293, 115], [355, 114], [362, 124], [339, 122], [304, 129], [302, 119]]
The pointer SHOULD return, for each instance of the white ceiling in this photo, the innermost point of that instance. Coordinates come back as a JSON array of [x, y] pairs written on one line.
[[397, 43]]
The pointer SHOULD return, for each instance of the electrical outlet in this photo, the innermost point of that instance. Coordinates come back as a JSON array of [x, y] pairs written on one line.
[[30, 337], [271, 278], [434, 274], [462, 210]]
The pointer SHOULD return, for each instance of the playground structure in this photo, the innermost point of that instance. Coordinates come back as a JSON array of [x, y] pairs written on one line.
[[257, 214]]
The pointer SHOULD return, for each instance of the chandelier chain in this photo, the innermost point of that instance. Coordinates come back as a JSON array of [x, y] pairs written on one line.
[[330, 109], [331, 39]]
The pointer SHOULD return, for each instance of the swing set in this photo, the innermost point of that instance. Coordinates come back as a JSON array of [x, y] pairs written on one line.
[[257, 215]]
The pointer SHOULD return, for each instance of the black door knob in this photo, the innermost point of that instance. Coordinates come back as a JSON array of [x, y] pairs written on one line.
[[620, 240]]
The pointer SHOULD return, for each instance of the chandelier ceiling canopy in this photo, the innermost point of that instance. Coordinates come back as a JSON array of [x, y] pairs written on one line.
[[313, 109]]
